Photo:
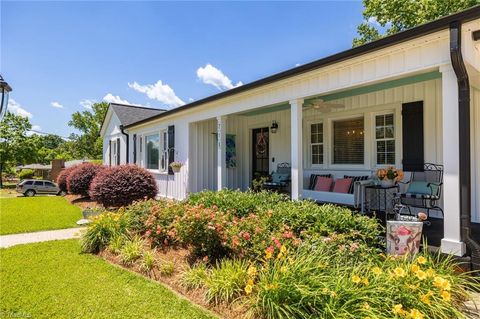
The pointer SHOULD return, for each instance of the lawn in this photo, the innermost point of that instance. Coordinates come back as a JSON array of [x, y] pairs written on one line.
[[54, 280], [29, 214]]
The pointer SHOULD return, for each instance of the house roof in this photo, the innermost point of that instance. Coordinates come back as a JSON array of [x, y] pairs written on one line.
[[421, 30], [129, 114]]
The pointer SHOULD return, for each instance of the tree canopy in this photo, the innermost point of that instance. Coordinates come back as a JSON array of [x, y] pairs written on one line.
[[386, 17]]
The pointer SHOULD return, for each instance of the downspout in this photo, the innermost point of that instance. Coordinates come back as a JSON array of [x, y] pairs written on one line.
[[122, 129], [464, 142]]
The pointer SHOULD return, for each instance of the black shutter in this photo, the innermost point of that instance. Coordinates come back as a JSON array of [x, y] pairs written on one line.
[[412, 134], [134, 148], [171, 147], [110, 153], [118, 151]]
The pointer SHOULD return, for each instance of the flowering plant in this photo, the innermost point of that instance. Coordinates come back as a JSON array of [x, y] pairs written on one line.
[[177, 165], [390, 173]]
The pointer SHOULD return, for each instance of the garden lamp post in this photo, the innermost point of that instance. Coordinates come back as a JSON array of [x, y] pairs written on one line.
[[4, 90]]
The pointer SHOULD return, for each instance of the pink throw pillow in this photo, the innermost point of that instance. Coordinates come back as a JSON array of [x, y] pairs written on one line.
[[324, 184], [342, 185]]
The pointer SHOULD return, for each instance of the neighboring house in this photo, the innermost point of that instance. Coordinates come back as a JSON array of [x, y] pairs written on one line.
[[402, 100], [116, 140]]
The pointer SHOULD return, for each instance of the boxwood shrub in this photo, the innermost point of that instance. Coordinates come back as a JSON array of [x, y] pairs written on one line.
[[122, 185], [80, 178]]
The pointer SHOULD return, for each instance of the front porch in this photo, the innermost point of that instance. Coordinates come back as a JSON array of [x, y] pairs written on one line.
[[342, 134]]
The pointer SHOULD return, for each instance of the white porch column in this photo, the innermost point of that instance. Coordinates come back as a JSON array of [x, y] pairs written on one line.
[[221, 149], [451, 243], [297, 147]]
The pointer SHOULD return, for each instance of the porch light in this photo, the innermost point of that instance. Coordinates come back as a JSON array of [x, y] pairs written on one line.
[[274, 127], [4, 89]]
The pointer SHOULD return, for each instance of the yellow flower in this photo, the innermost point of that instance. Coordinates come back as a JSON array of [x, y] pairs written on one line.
[[426, 298], [415, 268], [398, 309], [376, 270], [248, 289], [250, 282], [441, 283], [283, 269], [280, 255], [333, 294], [366, 306], [445, 295], [252, 271], [365, 281], [430, 272], [421, 275], [268, 254], [399, 272], [325, 290], [283, 249], [415, 314], [421, 260], [356, 279]]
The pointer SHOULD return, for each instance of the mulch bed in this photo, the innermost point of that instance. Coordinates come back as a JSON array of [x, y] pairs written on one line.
[[83, 202], [181, 259]]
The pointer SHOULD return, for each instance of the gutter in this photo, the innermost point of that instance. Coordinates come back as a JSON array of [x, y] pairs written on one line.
[[122, 129], [464, 142]]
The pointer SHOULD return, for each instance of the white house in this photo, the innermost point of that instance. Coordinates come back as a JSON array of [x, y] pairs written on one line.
[[404, 100]]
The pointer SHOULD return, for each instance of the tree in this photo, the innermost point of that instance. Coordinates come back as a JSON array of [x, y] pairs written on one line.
[[89, 143], [15, 146], [392, 16], [49, 147]]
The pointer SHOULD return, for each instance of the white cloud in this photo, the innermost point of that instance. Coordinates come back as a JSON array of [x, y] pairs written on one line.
[[56, 105], [213, 76], [17, 109], [36, 128], [110, 98], [86, 103], [158, 91], [373, 20]]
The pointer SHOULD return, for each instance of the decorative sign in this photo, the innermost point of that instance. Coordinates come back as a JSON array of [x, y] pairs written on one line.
[[403, 238]]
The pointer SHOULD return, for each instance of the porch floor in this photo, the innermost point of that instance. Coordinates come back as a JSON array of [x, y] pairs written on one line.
[[434, 232]]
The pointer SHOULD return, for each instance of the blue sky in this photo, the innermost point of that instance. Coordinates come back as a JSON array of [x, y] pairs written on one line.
[[60, 56]]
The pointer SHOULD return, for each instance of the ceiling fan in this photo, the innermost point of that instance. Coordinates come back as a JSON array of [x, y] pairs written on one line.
[[322, 106]]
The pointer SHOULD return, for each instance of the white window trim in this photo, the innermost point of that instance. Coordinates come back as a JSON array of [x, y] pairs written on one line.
[[144, 156], [163, 151], [396, 110], [309, 152], [113, 151]]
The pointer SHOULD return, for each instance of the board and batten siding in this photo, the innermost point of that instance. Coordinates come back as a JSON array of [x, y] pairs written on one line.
[[112, 132], [475, 153]]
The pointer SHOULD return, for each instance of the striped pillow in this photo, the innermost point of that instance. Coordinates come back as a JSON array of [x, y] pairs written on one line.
[[355, 179], [313, 180]]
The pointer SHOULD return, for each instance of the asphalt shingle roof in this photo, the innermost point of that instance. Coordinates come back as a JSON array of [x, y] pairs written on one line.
[[129, 114]]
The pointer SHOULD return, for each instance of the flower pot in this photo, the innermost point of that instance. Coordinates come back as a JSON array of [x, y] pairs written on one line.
[[403, 237], [176, 169], [387, 182]]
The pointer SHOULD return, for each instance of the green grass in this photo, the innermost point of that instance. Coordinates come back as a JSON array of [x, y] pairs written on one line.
[[54, 280], [29, 214]]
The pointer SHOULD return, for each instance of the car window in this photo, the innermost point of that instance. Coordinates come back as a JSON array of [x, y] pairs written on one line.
[[27, 183], [49, 184], [37, 183]]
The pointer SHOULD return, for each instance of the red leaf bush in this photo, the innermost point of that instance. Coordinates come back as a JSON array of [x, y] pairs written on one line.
[[62, 178], [79, 179], [122, 185]]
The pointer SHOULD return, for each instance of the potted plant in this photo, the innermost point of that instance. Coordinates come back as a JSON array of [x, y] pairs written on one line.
[[389, 176], [176, 166]]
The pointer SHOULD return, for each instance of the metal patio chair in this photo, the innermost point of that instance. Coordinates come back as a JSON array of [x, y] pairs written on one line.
[[424, 189], [280, 179]]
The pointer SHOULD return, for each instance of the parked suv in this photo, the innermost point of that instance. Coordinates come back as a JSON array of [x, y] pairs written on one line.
[[31, 187]]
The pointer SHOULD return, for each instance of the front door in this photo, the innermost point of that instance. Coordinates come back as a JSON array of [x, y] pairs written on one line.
[[260, 159]]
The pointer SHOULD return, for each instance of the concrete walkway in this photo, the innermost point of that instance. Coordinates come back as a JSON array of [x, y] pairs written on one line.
[[26, 238]]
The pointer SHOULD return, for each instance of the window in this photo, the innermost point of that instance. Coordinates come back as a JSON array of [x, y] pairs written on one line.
[[113, 151], [316, 143], [152, 148], [48, 184], [28, 183], [348, 141], [37, 183], [164, 155], [385, 139]]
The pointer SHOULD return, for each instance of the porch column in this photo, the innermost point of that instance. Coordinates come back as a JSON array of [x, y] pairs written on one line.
[[451, 243], [221, 151], [297, 147]]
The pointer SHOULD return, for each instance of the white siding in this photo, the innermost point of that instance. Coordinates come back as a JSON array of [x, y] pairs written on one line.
[[475, 136], [112, 132]]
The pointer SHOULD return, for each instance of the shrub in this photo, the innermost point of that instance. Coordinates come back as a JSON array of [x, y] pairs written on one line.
[[131, 251], [237, 202], [203, 229], [62, 178], [226, 281], [80, 178], [166, 268], [26, 173], [148, 261], [102, 230], [159, 226], [122, 185]]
